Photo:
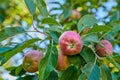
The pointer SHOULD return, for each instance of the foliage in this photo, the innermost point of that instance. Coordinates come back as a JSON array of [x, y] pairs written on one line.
[[86, 65]]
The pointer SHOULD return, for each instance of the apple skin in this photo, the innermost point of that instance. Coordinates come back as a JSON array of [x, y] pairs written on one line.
[[62, 62], [75, 14], [107, 48], [70, 43], [31, 60]]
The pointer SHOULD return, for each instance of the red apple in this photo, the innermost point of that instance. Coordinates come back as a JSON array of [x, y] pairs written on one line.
[[70, 43], [62, 62], [104, 50], [31, 60]]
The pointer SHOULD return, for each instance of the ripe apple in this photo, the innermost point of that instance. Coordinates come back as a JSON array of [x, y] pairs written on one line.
[[75, 14], [70, 43], [31, 60], [104, 50], [62, 62]]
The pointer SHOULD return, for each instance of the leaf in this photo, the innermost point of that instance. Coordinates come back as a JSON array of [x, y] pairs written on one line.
[[54, 37], [116, 58], [103, 74], [107, 72], [31, 6], [116, 76], [53, 76], [90, 59], [18, 70], [110, 59], [67, 13], [86, 21], [42, 8], [69, 74], [54, 28], [98, 29], [88, 55], [17, 49], [115, 16], [5, 49], [49, 20], [48, 63], [90, 38], [10, 31], [76, 60], [95, 74], [82, 77]]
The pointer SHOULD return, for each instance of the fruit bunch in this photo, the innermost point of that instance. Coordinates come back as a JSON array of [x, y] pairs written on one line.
[[70, 44]]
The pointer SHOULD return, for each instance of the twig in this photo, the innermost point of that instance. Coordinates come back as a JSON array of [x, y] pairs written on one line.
[[94, 52], [38, 30]]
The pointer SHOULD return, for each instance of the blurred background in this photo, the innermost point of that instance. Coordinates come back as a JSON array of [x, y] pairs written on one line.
[[15, 13]]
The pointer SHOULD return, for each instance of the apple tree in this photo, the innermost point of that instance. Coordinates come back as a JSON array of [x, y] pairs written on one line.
[[79, 40]]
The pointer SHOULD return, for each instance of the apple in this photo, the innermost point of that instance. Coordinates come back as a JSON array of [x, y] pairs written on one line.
[[75, 14], [31, 60], [70, 43], [62, 62], [104, 50]]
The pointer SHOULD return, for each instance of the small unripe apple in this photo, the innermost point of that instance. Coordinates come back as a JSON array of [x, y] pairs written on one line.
[[75, 14], [62, 62], [31, 60], [70, 43], [104, 50]]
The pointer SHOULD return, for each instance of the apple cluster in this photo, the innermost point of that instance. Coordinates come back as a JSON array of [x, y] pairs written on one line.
[[70, 43]]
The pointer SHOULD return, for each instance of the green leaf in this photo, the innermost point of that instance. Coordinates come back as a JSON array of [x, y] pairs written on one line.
[[110, 59], [48, 63], [88, 55], [95, 74], [18, 70], [54, 37], [5, 49], [31, 6], [42, 8], [67, 13], [86, 21], [98, 29], [107, 72], [10, 31], [90, 59], [69, 74], [82, 77], [53, 76], [116, 16], [90, 38], [54, 28], [49, 20], [116, 58], [76, 60], [116, 76], [103, 74], [17, 49]]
